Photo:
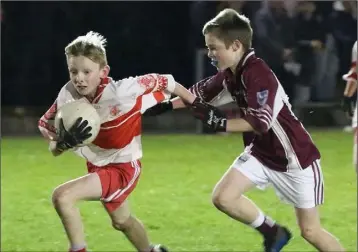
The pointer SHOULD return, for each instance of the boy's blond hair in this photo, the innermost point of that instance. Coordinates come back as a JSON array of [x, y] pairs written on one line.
[[228, 26], [91, 46]]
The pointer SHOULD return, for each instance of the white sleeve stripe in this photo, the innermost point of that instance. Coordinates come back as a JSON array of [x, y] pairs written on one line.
[[263, 115], [263, 112], [267, 123], [194, 90], [267, 113], [197, 92], [264, 118]]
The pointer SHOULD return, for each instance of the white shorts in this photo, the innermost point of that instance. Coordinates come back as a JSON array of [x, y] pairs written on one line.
[[302, 188]]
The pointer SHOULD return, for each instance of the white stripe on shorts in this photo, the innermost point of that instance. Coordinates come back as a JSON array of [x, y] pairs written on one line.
[[318, 187], [120, 191]]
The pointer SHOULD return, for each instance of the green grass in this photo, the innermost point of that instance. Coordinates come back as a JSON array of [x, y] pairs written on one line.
[[173, 198]]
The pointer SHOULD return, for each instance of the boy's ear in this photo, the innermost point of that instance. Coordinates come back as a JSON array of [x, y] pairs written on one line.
[[236, 45], [105, 71]]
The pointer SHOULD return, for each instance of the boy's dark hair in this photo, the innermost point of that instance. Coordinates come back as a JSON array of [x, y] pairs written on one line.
[[228, 26]]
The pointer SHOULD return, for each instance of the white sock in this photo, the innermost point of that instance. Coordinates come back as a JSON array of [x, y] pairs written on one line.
[[269, 221], [77, 247], [259, 220], [155, 248]]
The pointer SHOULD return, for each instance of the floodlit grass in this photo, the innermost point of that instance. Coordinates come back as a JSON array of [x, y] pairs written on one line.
[[173, 197]]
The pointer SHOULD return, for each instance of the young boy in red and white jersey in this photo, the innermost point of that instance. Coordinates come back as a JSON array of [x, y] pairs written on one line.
[[113, 159]]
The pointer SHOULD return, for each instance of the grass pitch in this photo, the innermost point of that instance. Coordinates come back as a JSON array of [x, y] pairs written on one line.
[[173, 197]]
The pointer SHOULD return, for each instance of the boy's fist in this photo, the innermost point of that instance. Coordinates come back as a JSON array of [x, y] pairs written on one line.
[[210, 115]]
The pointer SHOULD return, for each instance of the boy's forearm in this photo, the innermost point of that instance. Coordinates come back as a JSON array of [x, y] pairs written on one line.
[[238, 125], [184, 94], [177, 103]]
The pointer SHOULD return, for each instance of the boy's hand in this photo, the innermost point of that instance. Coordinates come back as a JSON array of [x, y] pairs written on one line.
[[78, 132], [210, 115], [160, 108]]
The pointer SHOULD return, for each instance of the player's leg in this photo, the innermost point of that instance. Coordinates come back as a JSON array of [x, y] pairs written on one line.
[[132, 228], [118, 182], [307, 213], [228, 196], [245, 173], [304, 189], [311, 230], [64, 199]]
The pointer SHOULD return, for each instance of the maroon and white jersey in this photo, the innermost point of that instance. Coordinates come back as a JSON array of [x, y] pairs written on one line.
[[282, 144]]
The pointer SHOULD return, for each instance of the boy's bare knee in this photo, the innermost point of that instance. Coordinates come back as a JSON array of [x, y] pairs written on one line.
[[217, 200], [123, 224], [220, 200], [61, 197], [310, 233]]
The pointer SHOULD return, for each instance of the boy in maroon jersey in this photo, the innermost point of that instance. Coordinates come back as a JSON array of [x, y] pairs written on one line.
[[281, 152]]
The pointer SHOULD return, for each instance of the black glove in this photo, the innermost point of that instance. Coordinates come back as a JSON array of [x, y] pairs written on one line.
[[78, 132], [211, 116], [160, 108], [348, 105]]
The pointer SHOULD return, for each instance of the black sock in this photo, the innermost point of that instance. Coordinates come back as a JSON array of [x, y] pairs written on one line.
[[268, 228]]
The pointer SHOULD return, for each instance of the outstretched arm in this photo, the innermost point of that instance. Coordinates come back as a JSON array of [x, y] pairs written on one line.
[[210, 90], [265, 99], [177, 103], [183, 95]]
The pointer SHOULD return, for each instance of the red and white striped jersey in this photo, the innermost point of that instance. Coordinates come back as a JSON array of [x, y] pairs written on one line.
[[120, 105]]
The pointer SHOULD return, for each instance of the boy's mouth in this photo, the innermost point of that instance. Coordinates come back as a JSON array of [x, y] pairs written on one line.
[[214, 62], [82, 89]]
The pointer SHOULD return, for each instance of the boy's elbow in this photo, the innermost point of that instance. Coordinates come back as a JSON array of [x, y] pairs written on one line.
[[46, 130]]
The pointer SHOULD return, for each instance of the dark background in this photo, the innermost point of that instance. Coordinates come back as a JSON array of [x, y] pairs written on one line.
[[157, 37]]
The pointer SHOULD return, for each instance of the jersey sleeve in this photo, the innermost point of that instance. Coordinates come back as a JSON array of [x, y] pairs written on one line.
[[352, 74], [149, 83], [265, 97], [46, 124], [212, 90], [149, 89]]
